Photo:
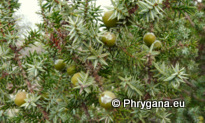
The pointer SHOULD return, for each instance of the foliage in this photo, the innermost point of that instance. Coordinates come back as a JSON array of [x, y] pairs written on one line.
[[71, 31]]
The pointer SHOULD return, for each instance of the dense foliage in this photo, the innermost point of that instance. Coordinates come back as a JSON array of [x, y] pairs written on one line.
[[168, 69]]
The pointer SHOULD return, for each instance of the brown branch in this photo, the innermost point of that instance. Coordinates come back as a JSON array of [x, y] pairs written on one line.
[[77, 117], [187, 16], [180, 45], [200, 6], [2, 32], [149, 64], [85, 108], [45, 115], [4, 74], [86, 9], [132, 10], [56, 1], [98, 79], [90, 67], [190, 84], [21, 67], [94, 72], [194, 96], [166, 4], [151, 27], [125, 50], [147, 96]]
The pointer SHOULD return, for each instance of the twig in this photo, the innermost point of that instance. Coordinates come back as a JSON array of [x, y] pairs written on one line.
[[90, 67], [151, 27], [189, 83], [200, 6], [86, 9], [45, 115], [23, 72], [166, 4], [187, 16], [132, 10], [125, 50], [56, 1], [149, 68], [195, 97], [149, 64], [86, 110], [4, 74], [77, 117], [94, 72]]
